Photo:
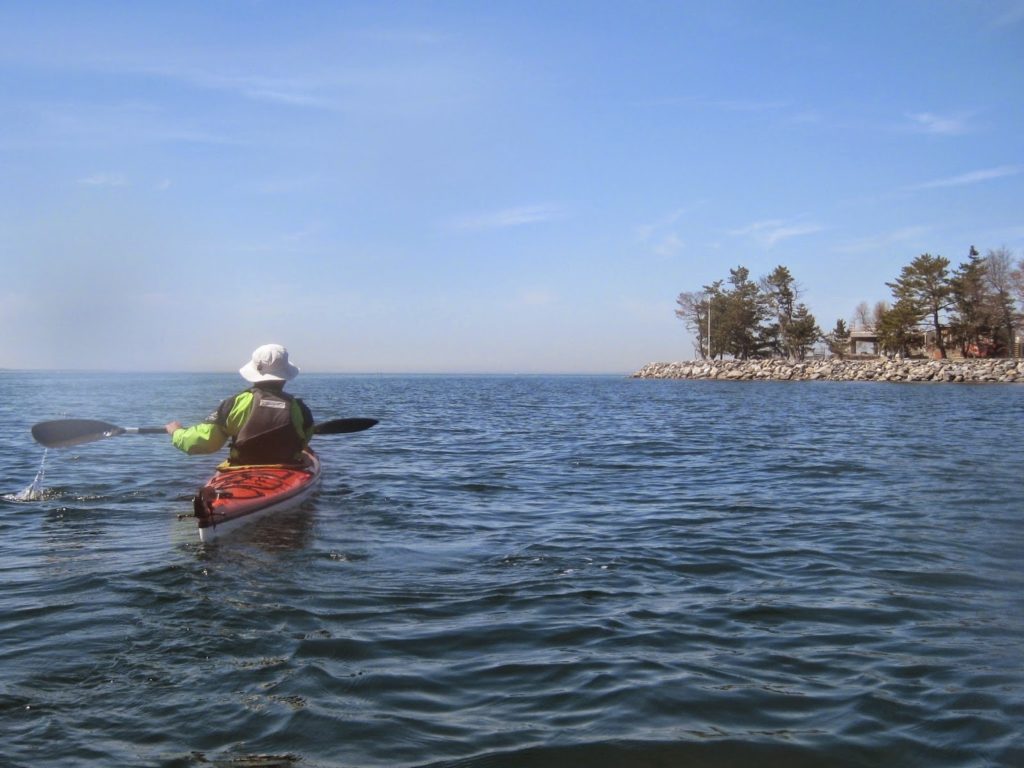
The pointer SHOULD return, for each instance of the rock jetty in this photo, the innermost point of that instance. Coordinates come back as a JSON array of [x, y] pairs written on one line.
[[966, 371]]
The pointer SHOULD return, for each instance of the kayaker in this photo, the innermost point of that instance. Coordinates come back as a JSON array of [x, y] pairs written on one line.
[[265, 424]]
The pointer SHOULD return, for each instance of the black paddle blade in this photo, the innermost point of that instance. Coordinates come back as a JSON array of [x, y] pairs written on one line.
[[342, 426], [64, 433]]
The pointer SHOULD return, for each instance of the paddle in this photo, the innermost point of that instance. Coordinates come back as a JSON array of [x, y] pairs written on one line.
[[63, 433], [342, 426]]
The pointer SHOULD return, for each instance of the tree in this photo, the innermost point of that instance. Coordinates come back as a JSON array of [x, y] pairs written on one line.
[[971, 318], [802, 333], [1017, 276], [838, 339], [718, 305], [742, 315], [923, 287], [863, 320], [779, 294], [693, 310], [897, 328], [998, 274], [881, 307]]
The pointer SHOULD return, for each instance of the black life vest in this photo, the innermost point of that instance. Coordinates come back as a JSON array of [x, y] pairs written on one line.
[[269, 435]]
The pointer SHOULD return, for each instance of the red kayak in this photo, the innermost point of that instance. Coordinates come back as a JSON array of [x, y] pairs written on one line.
[[235, 496]]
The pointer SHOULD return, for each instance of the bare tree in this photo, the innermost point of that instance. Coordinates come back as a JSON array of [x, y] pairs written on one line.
[[1017, 275], [693, 311], [881, 307], [863, 319], [999, 275]]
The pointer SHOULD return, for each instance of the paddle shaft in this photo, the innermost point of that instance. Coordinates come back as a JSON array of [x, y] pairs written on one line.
[[64, 433]]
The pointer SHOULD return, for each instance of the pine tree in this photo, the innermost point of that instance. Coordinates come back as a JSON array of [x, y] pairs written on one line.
[[897, 328], [744, 311], [971, 317], [924, 290], [779, 293], [838, 339], [802, 333]]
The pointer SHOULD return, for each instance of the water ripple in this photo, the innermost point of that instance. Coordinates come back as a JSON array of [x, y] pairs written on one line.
[[528, 571]]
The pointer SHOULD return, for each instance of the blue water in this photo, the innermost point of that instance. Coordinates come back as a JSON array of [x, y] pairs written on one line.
[[524, 571]]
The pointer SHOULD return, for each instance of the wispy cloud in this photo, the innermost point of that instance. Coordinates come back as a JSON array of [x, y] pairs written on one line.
[[943, 125], [412, 36], [75, 121], [773, 231], [883, 240], [662, 235], [292, 92], [510, 217], [668, 245], [104, 180], [648, 231], [973, 177], [751, 105]]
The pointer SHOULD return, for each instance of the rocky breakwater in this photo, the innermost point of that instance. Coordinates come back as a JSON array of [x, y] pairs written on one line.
[[874, 369]]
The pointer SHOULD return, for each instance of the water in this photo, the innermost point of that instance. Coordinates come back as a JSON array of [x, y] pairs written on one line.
[[524, 571]]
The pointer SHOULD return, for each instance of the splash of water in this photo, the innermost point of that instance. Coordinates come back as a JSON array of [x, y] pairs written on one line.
[[35, 491]]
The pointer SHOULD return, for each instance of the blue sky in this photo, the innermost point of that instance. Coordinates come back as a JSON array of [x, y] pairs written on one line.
[[480, 187]]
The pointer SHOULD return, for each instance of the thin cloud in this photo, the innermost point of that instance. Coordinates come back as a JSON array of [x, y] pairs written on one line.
[[647, 231], [510, 217], [669, 245], [973, 177], [883, 240], [772, 232], [420, 37], [751, 105], [285, 91], [104, 180], [942, 125], [124, 122], [662, 236]]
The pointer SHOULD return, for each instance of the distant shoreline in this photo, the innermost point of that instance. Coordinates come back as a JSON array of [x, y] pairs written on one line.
[[954, 371]]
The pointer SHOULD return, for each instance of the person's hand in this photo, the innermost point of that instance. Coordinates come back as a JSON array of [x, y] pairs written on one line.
[[172, 427]]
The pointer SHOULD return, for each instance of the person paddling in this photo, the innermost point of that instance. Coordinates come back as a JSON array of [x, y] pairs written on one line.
[[265, 424]]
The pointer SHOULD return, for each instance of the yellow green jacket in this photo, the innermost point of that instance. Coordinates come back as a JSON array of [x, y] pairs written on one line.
[[264, 424]]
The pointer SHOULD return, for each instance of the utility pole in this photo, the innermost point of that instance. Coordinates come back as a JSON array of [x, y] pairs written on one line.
[[709, 328]]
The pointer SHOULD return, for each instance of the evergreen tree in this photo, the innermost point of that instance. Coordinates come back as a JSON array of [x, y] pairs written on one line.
[[802, 332], [716, 307], [923, 289], [779, 294], [838, 339], [743, 313], [897, 328], [971, 318]]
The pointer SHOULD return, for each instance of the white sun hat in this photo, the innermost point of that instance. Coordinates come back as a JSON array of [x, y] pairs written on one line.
[[269, 363]]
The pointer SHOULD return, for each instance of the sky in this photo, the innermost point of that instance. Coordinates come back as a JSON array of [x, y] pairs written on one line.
[[506, 187]]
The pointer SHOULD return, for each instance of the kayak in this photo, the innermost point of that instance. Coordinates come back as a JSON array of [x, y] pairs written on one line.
[[236, 496]]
